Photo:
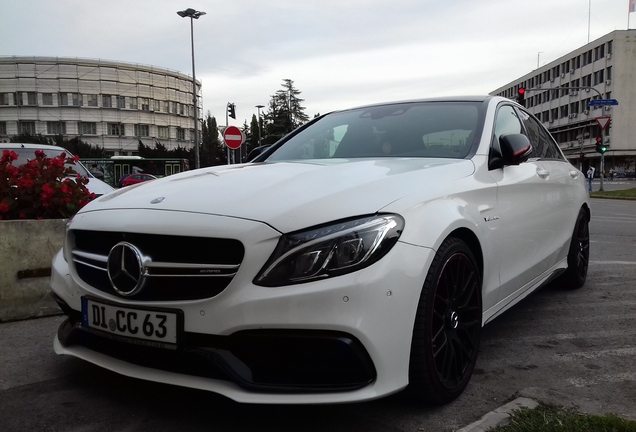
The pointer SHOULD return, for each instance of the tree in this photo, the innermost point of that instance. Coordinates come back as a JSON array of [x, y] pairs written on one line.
[[285, 113], [212, 151], [252, 139]]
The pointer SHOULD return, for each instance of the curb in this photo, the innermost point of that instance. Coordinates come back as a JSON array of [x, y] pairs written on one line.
[[499, 416]]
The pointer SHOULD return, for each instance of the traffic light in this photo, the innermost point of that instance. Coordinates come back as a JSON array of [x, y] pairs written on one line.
[[521, 96], [600, 147], [231, 110]]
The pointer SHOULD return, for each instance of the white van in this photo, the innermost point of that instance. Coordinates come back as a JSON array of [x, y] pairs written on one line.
[[26, 152]]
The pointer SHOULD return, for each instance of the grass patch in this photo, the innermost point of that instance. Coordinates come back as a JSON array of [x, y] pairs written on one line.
[[550, 418], [624, 194]]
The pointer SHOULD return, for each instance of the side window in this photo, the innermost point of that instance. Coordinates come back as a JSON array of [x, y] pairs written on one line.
[[543, 146], [507, 122]]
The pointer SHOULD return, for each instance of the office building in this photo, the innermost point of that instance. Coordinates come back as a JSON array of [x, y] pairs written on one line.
[[109, 104], [559, 95]]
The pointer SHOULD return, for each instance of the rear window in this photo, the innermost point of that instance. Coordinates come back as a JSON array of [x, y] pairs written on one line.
[[27, 154]]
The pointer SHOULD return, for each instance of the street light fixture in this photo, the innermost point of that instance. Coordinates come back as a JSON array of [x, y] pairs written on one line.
[[259, 123], [194, 14]]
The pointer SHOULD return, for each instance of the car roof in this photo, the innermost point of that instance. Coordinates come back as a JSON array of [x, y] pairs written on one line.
[[6, 146], [475, 98]]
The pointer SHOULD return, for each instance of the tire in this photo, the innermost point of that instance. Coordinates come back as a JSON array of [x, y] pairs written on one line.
[[578, 255], [447, 327]]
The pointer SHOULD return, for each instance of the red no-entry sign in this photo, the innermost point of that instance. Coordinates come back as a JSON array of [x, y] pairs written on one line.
[[233, 137]]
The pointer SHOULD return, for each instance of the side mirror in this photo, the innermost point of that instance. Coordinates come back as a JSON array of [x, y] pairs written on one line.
[[515, 148]]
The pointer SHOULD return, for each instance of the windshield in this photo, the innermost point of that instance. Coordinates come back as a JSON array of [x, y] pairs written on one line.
[[426, 129], [27, 154]]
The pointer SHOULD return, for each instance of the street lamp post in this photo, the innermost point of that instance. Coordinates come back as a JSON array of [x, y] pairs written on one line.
[[259, 123], [194, 14]]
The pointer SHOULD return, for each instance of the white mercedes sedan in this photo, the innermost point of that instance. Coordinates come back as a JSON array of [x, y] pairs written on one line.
[[359, 256]]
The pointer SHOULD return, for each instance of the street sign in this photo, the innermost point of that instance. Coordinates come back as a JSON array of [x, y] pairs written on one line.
[[233, 137], [595, 102], [603, 122]]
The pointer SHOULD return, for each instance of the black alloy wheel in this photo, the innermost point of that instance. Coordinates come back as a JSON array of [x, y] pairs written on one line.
[[579, 253], [448, 325]]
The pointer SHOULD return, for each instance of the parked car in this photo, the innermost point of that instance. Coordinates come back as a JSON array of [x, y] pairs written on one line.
[[136, 178], [359, 256], [27, 151]]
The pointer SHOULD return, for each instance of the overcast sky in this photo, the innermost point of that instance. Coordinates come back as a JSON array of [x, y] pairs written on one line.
[[339, 53]]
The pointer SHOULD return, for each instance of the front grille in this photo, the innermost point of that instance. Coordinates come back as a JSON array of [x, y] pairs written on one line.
[[179, 267]]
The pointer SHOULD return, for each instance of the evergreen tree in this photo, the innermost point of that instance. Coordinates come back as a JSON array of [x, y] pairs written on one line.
[[212, 151], [285, 113], [252, 139]]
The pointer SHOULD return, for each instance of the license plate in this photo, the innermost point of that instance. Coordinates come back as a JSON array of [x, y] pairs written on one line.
[[137, 325]]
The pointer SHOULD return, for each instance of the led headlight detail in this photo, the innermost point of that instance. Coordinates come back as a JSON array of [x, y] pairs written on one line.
[[330, 250]]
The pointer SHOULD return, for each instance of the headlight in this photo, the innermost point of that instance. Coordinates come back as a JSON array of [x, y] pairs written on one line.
[[330, 250]]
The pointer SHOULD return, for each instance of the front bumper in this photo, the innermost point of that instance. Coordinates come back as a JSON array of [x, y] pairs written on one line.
[[342, 339]]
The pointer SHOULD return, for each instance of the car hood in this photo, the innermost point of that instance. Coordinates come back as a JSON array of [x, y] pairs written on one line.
[[291, 195], [98, 187]]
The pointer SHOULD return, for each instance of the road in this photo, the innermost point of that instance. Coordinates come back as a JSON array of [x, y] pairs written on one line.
[[571, 347]]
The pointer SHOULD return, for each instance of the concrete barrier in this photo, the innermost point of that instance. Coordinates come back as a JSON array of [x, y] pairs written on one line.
[[27, 248]]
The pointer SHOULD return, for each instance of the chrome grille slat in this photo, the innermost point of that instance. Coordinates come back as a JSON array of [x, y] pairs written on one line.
[[186, 268], [76, 261]]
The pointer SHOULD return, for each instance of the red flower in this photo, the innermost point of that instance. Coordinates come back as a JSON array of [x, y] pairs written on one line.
[[40, 189]]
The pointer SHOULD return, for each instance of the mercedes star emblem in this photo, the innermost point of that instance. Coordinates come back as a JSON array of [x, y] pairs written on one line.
[[126, 269]]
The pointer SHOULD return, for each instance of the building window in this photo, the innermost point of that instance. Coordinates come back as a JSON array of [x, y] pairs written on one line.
[[26, 127], [181, 111], [87, 128], [47, 98], [166, 106], [142, 130], [4, 98], [163, 132], [574, 107], [609, 47], [91, 100], [18, 98], [145, 104], [133, 103], [599, 52], [63, 99], [107, 101], [121, 102], [180, 134], [554, 113], [30, 99], [599, 76], [157, 105], [609, 73], [56, 128], [3, 128], [116, 129], [77, 99]]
